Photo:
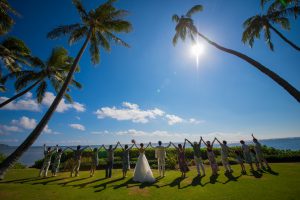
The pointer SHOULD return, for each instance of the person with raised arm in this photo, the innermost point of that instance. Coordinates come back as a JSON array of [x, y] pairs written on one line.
[[160, 155], [95, 160], [77, 159], [110, 159], [47, 160], [142, 171], [259, 154], [246, 153], [181, 158], [56, 161], [197, 156], [224, 155], [211, 156], [239, 159], [125, 158]]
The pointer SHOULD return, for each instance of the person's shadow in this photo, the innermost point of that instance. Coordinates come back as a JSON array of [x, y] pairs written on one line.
[[230, 177], [48, 181], [82, 185], [125, 184], [256, 174], [196, 182], [104, 185], [174, 183], [24, 180], [65, 183], [270, 171], [213, 179]]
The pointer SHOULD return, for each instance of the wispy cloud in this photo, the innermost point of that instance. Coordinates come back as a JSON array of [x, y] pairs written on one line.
[[133, 112], [130, 112], [63, 105], [23, 124], [173, 119], [26, 103], [100, 132], [30, 104], [77, 126]]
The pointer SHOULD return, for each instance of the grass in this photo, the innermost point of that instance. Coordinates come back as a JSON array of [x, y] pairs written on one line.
[[282, 183]]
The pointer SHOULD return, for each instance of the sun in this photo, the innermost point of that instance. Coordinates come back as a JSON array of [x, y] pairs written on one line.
[[197, 49]]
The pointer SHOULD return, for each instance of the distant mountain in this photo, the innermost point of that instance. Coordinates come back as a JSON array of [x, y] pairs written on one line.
[[4, 145]]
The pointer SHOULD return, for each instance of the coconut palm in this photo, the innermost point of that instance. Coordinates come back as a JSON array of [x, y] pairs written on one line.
[[6, 21], [98, 27], [185, 28], [54, 70], [276, 15]]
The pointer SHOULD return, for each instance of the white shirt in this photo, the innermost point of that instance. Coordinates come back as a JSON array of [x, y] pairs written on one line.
[[160, 152]]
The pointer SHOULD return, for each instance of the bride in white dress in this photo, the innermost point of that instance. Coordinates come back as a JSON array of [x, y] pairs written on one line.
[[142, 170]]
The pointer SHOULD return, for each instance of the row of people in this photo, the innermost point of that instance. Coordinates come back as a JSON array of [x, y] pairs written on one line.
[[142, 165]]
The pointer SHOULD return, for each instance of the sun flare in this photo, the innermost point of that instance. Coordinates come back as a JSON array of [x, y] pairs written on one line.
[[197, 49]]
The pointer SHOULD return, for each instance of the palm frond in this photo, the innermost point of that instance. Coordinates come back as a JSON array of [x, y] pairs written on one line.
[[194, 9], [117, 26], [78, 34], [68, 98], [76, 84], [40, 91], [267, 36], [62, 30], [175, 18], [175, 38], [94, 49], [110, 36], [82, 12]]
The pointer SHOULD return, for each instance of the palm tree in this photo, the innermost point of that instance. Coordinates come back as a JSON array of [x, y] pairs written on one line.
[[276, 15], [6, 21], [185, 27], [98, 27], [55, 70], [13, 53]]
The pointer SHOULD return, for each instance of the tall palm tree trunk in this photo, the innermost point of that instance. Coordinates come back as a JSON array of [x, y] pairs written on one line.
[[284, 38], [10, 160], [283, 83], [19, 94]]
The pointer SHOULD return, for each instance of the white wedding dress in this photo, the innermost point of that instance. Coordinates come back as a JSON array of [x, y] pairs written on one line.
[[142, 170]]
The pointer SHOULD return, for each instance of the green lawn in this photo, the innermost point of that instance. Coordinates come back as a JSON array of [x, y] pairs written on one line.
[[283, 183]]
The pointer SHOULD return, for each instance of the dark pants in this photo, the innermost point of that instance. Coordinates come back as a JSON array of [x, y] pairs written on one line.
[[108, 169]]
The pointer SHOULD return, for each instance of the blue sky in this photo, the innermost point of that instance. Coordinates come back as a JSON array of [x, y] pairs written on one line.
[[153, 90]]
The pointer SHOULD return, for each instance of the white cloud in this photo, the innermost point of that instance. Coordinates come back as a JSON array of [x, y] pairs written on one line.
[[173, 119], [22, 124], [77, 126], [22, 104], [100, 132], [77, 117], [25, 122], [62, 106], [130, 112], [27, 103], [195, 121]]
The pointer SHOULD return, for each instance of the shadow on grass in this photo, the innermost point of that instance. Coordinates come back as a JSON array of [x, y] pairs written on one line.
[[230, 177], [196, 182], [174, 183], [83, 185], [65, 183], [214, 179], [104, 185], [25, 180], [270, 171], [50, 181]]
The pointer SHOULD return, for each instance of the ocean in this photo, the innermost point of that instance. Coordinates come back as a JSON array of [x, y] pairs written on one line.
[[36, 152]]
